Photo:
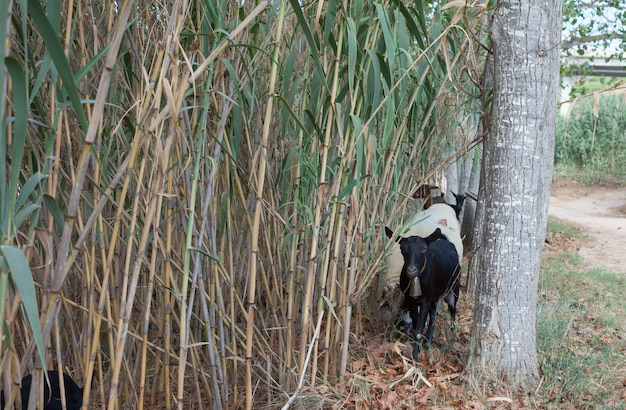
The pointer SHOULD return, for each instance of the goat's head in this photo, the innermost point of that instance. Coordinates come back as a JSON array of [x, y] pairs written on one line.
[[460, 199], [423, 191], [413, 249]]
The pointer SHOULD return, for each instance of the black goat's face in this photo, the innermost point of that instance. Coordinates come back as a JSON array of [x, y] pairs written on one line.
[[413, 251]]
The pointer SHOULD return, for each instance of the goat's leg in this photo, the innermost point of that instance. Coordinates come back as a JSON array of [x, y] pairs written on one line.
[[451, 299], [432, 314], [424, 307], [405, 323]]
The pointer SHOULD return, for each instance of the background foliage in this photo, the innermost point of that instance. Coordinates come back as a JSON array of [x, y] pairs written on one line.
[[593, 137]]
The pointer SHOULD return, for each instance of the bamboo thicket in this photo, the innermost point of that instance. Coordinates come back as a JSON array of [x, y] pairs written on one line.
[[195, 187]]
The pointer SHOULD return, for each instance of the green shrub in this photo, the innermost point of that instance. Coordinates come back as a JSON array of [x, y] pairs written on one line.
[[596, 143]]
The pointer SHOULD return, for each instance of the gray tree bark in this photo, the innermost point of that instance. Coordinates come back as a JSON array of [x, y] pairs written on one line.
[[515, 189]]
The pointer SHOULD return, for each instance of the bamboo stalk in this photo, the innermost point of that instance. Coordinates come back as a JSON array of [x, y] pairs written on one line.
[[259, 185], [62, 258], [167, 304], [320, 201]]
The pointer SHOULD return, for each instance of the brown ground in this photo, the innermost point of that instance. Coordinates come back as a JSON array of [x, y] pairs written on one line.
[[601, 214]]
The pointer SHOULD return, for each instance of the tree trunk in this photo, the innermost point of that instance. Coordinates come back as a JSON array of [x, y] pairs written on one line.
[[515, 190]]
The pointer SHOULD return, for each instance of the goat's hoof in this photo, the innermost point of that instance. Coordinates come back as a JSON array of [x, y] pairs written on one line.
[[416, 353]]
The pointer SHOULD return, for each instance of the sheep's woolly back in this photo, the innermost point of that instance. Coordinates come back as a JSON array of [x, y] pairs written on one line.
[[423, 224]]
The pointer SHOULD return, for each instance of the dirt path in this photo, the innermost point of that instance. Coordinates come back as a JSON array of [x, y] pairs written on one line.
[[601, 212]]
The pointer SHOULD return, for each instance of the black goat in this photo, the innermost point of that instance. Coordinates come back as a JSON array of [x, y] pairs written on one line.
[[430, 273], [460, 200], [73, 393]]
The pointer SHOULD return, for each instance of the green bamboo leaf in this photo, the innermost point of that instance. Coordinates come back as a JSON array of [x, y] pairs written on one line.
[[6, 335], [78, 77], [331, 308], [237, 118], [53, 11], [56, 52], [314, 53], [385, 71], [346, 190], [47, 62], [416, 27], [293, 115], [286, 168], [53, 206], [4, 201], [4, 279], [33, 182], [23, 279], [207, 254], [404, 43], [390, 44], [24, 213], [374, 75], [20, 101], [390, 119], [352, 53]]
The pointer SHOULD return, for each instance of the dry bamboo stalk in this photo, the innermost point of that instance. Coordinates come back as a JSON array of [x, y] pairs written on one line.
[[62, 258], [183, 323], [296, 175], [321, 198], [347, 318], [167, 305], [209, 319], [131, 157], [307, 358], [259, 184], [146, 312], [155, 188], [230, 280], [333, 229], [291, 325], [332, 278]]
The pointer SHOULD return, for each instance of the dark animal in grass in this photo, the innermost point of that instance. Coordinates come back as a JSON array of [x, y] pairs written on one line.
[[430, 273], [460, 200], [423, 223], [73, 393], [425, 192]]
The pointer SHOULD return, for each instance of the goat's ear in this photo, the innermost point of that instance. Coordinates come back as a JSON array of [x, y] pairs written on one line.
[[434, 236], [389, 232], [420, 192], [423, 191]]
